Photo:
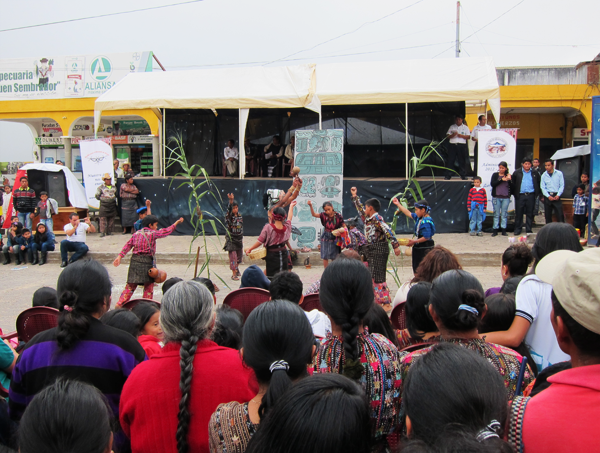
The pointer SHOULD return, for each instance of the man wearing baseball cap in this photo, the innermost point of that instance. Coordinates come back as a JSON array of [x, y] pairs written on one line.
[[564, 417]]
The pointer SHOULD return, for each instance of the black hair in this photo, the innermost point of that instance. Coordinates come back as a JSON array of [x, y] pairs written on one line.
[[228, 328], [418, 319], [451, 394], [586, 341], [595, 190], [510, 285], [149, 220], [517, 258], [128, 176], [526, 159], [505, 165], [423, 202], [500, 313], [231, 140], [124, 320], [585, 172], [39, 225], [277, 137], [327, 203], [23, 178], [541, 380], [352, 222], [280, 211], [170, 282], [25, 230], [45, 297], [85, 287], [73, 214], [277, 332], [554, 236], [580, 186], [296, 424], [477, 178], [144, 311], [53, 421], [346, 294], [481, 116], [19, 230], [548, 160], [451, 290], [43, 193], [378, 321], [286, 286], [374, 203], [206, 282]]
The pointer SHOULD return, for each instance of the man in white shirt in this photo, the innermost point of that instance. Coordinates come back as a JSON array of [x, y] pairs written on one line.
[[481, 126], [75, 242], [288, 286], [232, 156], [457, 135]]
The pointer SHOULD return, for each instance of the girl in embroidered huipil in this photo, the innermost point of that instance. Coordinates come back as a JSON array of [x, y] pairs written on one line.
[[346, 294], [330, 220], [424, 230], [234, 242]]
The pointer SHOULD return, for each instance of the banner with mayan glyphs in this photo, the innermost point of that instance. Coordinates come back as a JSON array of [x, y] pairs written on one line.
[[320, 156]]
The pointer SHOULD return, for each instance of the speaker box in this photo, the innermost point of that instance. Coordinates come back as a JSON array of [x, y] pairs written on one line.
[[571, 170], [57, 187], [37, 181]]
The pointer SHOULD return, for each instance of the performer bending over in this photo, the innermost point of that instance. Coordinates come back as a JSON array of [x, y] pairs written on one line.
[[274, 236], [424, 230], [331, 221], [234, 242], [143, 243], [378, 234]]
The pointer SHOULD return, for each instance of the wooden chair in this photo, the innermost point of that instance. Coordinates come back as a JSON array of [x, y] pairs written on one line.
[[398, 316], [133, 302], [246, 299], [35, 320], [311, 302], [283, 165]]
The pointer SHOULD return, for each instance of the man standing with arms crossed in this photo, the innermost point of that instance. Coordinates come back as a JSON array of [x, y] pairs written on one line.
[[553, 186], [526, 188], [458, 134]]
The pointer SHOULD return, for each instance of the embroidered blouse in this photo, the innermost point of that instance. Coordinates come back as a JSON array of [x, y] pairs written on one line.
[[376, 230], [424, 226], [105, 192], [230, 428], [331, 224], [271, 235], [357, 239], [144, 242], [505, 360], [381, 379], [128, 191], [405, 340], [235, 222]]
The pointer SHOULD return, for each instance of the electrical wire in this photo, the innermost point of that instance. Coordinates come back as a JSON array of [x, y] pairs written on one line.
[[473, 28], [491, 22], [101, 15]]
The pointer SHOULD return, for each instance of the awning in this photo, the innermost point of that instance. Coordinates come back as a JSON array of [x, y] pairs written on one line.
[[582, 150]]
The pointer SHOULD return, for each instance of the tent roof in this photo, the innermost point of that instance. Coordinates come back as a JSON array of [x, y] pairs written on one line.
[[565, 153], [75, 190], [384, 82]]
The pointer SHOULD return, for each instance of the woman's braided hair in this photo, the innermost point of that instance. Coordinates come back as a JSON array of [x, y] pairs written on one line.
[[346, 294], [186, 317]]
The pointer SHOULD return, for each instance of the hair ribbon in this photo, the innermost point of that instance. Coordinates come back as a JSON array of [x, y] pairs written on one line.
[[489, 431], [279, 365], [468, 308]]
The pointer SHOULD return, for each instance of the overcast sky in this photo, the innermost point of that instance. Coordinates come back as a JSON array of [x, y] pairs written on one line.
[[211, 33]]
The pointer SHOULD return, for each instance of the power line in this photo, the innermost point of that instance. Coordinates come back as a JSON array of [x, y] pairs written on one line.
[[473, 28], [100, 15], [347, 33], [490, 23]]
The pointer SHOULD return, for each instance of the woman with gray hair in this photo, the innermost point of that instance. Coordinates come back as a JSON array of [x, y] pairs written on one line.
[[191, 375]]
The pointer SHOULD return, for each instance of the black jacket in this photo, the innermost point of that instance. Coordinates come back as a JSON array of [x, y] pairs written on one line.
[[495, 182], [517, 178]]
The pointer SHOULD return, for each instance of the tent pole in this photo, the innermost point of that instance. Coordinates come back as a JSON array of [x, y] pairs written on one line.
[[164, 142], [243, 121], [406, 137]]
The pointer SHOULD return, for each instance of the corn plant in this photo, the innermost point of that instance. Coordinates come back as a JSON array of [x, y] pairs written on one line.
[[198, 180]]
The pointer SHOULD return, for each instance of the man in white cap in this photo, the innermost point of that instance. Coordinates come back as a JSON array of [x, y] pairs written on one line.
[[564, 417]]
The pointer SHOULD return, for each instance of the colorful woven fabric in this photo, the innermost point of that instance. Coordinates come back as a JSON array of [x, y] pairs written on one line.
[[376, 230], [230, 428], [144, 242]]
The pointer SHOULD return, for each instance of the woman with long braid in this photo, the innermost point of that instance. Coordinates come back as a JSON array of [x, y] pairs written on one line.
[[167, 403], [346, 294]]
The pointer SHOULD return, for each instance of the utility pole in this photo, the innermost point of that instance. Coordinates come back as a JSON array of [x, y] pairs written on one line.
[[457, 30]]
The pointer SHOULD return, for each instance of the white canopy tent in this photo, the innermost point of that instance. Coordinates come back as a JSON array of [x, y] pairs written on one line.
[[565, 153], [308, 86], [75, 190]]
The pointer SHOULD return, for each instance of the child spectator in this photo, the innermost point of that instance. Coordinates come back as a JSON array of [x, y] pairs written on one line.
[[516, 259], [151, 335], [24, 243], [46, 208], [378, 321], [124, 320], [420, 328], [43, 240], [510, 285], [580, 210], [209, 285], [6, 201], [476, 204], [254, 277], [11, 245], [234, 241], [228, 327], [424, 230], [45, 297], [170, 282]]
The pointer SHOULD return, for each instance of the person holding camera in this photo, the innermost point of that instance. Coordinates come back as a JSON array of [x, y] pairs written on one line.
[[75, 241]]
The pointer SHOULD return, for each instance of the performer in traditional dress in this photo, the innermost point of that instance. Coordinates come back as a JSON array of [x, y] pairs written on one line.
[[107, 194], [234, 243], [331, 221], [378, 234], [143, 243], [142, 212], [274, 236], [129, 193]]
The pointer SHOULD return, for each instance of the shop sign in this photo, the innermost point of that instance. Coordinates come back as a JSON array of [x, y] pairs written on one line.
[[49, 141], [51, 128], [140, 139], [581, 132], [130, 127], [119, 139]]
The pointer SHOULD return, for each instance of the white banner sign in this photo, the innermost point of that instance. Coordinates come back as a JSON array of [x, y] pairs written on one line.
[[320, 156], [96, 159], [54, 77], [495, 146]]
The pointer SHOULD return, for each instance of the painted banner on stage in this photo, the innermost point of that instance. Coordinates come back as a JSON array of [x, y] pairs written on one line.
[[320, 156], [495, 146], [96, 159], [595, 176]]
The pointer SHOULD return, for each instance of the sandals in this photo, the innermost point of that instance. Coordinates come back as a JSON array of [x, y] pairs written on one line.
[[235, 277]]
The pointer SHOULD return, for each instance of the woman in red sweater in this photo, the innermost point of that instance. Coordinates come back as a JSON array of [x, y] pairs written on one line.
[[167, 403]]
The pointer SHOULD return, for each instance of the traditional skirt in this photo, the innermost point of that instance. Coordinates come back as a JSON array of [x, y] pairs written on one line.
[[108, 207], [329, 251], [234, 242], [138, 269], [129, 213], [276, 260], [377, 257], [419, 252]]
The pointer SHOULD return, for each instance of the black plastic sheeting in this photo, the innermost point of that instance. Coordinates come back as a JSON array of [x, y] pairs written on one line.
[[170, 202]]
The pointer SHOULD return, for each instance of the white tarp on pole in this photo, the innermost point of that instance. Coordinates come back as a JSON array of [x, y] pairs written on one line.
[[75, 190], [565, 153], [96, 159]]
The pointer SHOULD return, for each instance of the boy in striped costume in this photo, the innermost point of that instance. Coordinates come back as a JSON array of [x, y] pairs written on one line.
[[476, 204]]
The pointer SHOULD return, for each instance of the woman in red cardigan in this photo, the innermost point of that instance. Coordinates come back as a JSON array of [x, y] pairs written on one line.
[[166, 403]]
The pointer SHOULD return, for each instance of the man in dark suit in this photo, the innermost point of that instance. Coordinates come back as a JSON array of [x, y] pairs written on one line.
[[526, 188]]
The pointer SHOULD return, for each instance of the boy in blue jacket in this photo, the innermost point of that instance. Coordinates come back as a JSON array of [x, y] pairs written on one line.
[[23, 247]]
